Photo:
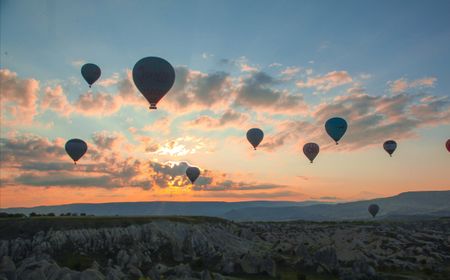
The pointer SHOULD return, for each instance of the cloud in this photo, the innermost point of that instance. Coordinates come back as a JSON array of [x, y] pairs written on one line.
[[196, 90], [401, 85], [105, 140], [289, 72], [29, 160], [371, 120], [78, 62], [28, 147], [235, 186], [161, 125], [181, 146], [258, 91], [206, 55], [19, 98], [55, 99], [57, 179], [94, 104], [229, 118], [327, 82], [288, 131], [244, 65], [247, 68], [275, 64], [107, 82], [36, 161]]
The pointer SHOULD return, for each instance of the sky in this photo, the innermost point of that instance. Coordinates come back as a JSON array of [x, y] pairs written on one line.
[[285, 67]]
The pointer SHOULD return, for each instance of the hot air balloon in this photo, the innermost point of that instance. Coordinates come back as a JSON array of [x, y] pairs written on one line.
[[154, 77], [336, 128], [447, 144], [373, 209], [390, 146], [192, 172], [76, 148], [311, 150], [90, 73], [255, 136]]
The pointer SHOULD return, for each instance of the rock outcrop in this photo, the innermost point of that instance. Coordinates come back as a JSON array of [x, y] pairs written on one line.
[[164, 249]]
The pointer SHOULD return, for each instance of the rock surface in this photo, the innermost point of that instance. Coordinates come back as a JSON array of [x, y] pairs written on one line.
[[165, 249]]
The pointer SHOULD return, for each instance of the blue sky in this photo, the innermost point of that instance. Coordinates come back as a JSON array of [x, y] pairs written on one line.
[[390, 38], [321, 54]]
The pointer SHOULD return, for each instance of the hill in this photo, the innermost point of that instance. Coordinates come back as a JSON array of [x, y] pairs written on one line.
[[154, 208], [406, 205]]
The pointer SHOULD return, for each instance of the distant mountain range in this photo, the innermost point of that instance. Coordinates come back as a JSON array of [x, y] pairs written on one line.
[[408, 205], [402, 206]]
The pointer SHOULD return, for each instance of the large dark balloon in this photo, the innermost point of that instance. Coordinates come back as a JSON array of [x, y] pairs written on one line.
[[311, 150], [192, 173], [390, 146], [373, 209], [90, 73], [336, 128], [255, 136], [154, 77], [447, 144], [76, 148]]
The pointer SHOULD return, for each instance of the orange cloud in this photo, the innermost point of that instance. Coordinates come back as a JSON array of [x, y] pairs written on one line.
[[326, 82], [19, 98], [403, 84], [56, 100]]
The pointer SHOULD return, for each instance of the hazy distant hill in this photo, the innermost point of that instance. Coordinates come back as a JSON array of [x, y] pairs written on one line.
[[408, 204], [403, 206], [155, 208]]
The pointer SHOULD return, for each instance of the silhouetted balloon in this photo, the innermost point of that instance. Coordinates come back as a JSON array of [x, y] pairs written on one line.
[[447, 144], [76, 148], [90, 73], [336, 128], [373, 209], [154, 77], [192, 172], [255, 136], [311, 150], [390, 146]]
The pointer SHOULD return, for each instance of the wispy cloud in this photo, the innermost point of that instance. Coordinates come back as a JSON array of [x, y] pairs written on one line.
[[326, 82], [78, 62], [227, 119], [401, 85], [290, 72]]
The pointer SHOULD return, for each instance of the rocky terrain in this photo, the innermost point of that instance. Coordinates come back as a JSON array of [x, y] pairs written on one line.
[[211, 248]]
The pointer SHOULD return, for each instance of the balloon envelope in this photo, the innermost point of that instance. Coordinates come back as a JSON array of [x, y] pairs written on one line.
[[76, 148], [447, 144], [311, 150], [154, 77], [192, 173], [255, 136], [390, 146], [90, 73], [373, 209], [336, 128]]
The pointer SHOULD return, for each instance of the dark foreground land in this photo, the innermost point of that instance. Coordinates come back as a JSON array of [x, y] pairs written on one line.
[[212, 248]]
